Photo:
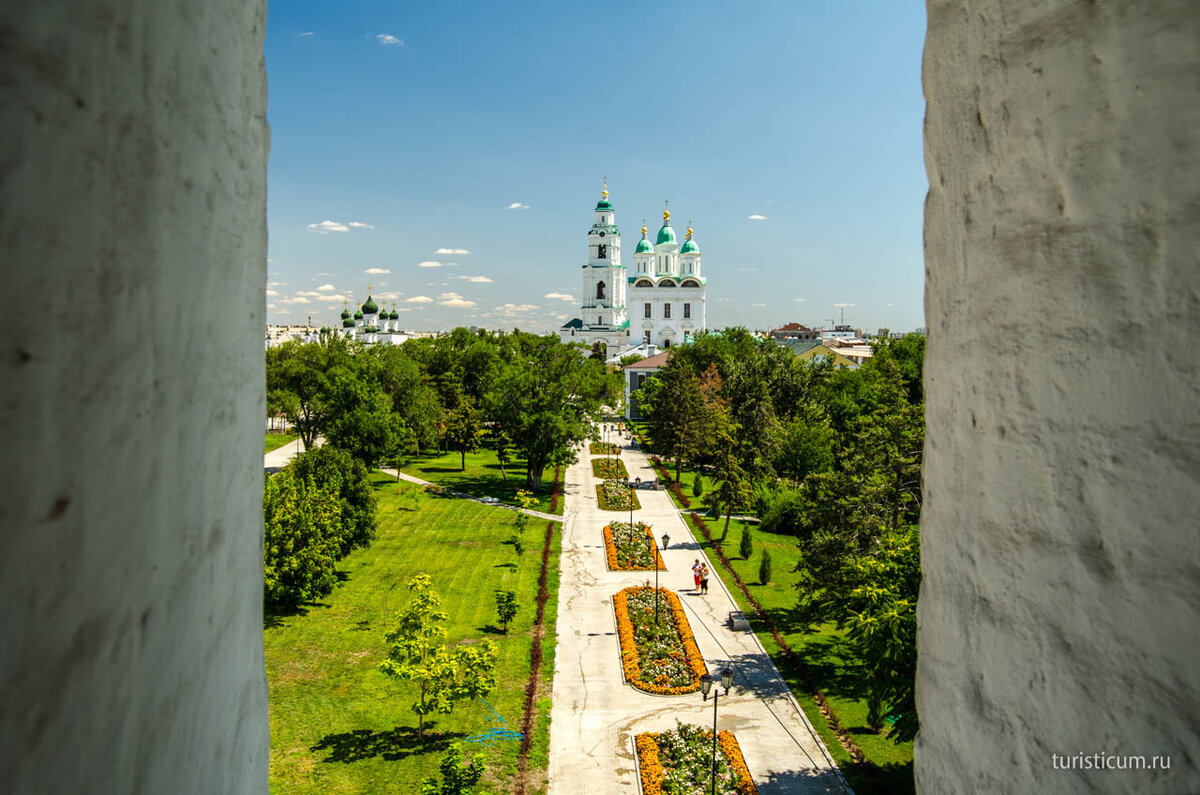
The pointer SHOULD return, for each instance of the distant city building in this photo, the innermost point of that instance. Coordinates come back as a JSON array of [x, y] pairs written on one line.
[[636, 375], [662, 302], [793, 331]]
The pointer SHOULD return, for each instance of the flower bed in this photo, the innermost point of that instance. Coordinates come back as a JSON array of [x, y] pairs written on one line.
[[679, 762], [609, 468], [614, 495], [662, 659], [631, 551], [603, 448]]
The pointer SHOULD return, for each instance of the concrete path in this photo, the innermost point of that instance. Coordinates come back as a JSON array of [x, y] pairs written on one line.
[[463, 496], [595, 715], [279, 457]]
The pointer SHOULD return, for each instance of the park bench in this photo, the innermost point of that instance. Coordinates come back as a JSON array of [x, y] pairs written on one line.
[[738, 620]]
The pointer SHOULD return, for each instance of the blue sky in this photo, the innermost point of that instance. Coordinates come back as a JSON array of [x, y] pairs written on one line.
[[423, 130]]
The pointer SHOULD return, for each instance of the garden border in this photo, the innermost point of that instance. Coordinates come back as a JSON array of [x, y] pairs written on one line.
[[691, 650], [610, 550]]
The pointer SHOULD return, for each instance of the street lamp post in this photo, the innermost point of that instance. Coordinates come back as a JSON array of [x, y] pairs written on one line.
[[654, 560], [706, 684]]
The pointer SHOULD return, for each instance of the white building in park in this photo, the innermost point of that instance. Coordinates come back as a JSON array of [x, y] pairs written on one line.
[[661, 301]]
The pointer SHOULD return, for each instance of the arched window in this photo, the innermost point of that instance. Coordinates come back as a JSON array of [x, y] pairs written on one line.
[[690, 283], [603, 251], [600, 285], [666, 343], [644, 283]]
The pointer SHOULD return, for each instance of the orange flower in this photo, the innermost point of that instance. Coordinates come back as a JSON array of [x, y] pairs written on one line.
[[629, 654], [653, 773], [610, 552]]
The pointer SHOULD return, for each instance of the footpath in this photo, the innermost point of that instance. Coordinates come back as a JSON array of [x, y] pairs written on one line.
[[278, 458], [594, 714]]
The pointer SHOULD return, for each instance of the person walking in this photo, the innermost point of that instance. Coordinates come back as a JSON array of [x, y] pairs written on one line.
[[696, 575], [704, 578]]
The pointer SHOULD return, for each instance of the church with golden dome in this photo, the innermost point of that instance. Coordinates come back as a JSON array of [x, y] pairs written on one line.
[[660, 301]]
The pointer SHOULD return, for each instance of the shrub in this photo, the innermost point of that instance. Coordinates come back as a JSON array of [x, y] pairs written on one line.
[[506, 607], [301, 523], [785, 514], [698, 485], [344, 476], [746, 547], [764, 568]]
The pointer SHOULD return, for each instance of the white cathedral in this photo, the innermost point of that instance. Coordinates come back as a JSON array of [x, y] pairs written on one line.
[[660, 303]]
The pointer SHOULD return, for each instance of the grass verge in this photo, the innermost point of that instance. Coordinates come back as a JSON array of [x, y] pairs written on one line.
[[276, 440], [337, 723], [818, 666], [482, 477]]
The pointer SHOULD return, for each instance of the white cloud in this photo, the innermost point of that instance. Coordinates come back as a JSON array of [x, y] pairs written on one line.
[[849, 304], [457, 303], [798, 300], [336, 297], [560, 317], [305, 33], [518, 206], [429, 263], [560, 296], [327, 288], [475, 279], [325, 227], [361, 225], [891, 304], [756, 217], [452, 251], [389, 39], [515, 308], [295, 301], [377, 270], [270, 306], [283, 311], [272, 292], [388, 296], [419, 299], [276, 284], [310, 293], [449, 295], [747, 270], [757, 304]]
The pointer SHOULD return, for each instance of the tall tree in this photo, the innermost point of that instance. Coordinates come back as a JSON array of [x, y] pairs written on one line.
[[301, 523], [546, 400], [464, 429], [298, 383], [336, 472]]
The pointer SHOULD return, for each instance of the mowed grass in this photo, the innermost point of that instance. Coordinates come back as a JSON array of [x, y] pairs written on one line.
[[830, 663], [482, 476], [338, 725], [276, 440]]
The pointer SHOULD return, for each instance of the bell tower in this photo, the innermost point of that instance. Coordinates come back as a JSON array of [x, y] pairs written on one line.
[[603, 303]]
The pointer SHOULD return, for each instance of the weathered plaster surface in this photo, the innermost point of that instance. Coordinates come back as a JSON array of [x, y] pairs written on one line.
[[1061, 552], [132, 198]]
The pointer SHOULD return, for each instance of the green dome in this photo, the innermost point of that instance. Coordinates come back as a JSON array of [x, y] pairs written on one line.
[[369, 308], [665, 235], [689, 247], [358, 315], [347, 323], [644, 247], [345, 313], [394, 315], [604, 204]]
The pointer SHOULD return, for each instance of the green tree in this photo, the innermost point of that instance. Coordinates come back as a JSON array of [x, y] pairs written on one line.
[[506, 607], [746, 546], [698, 485], [546, 400], [764, 568], [301, 527], [336, 472], [443, 676], [732, 490], [298, 383], [458, 776], [464, 429]]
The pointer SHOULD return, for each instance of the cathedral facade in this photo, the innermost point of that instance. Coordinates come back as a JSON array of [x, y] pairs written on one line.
[[661, 301]]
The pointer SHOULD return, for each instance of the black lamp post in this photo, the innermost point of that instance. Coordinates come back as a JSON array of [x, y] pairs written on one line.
[[706, 683]]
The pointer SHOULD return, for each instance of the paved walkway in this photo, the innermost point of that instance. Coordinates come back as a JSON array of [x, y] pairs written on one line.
[[279, 457], [595, 715]]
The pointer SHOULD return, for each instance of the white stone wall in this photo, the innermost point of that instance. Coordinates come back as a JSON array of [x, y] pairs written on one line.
[[132, 190], [1060, 611]]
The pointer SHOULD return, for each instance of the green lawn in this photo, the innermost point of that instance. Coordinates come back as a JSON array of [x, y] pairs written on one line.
[[340, 726], [276, 440], [823, 652], [482, 477]]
